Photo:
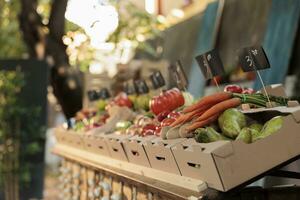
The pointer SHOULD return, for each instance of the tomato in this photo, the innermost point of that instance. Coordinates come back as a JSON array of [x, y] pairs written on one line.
[[157, 131], [166, 101], [148, 129], [177, 97], [122, 100], [173, 114], [167, 122], [161, 116], [148, 132], [233, 88], [248, 91]]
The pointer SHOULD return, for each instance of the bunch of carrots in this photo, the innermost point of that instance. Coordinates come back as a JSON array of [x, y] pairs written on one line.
[[209, 108]]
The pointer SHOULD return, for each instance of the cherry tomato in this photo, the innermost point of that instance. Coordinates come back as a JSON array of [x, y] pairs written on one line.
[[161, 116], [148, 132], [122, 100], [233, 88], [173, 114], [167, 122], [157, 131], [248, 91]]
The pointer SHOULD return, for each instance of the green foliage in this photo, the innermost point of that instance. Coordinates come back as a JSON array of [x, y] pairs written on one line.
[[11, 41], [135, 25], [19, 126]]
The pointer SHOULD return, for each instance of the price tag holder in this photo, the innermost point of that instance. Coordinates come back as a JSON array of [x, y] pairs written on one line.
[[128, 88], [157, 80], [253, 58], [210, 64], [104, 93], [92, 95], [179, 75], [141, 86]]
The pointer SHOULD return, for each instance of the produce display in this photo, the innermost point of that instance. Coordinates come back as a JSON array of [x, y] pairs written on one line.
[[173, 114], [232, 125], [176, 128]]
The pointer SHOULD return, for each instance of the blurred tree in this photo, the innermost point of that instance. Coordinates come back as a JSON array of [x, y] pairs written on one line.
[[11, 41], [43, 31]]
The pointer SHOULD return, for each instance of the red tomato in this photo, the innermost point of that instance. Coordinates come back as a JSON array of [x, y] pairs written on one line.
[[167, 122], [122, 100], [166, 101], [177, 97], [173, 114], [161, 116], [248, 91], [157, 131], [148, 132], [233, 88]]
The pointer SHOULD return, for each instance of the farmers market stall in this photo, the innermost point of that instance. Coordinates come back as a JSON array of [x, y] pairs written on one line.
[[179, 148]]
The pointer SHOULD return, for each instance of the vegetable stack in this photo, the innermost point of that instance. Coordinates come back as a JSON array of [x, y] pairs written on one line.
[[209, 108]]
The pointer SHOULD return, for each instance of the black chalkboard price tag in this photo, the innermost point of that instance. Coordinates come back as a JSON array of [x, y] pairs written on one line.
[[140, 86], [179, 75], [210, 64], [93, 95], [104, 93], [157, 80], [128, 88], [253, 58]]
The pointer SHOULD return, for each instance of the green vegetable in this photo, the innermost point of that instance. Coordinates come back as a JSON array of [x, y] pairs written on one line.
[[101, 104], [260, 100], [123, 125], [256, 127], [79, 126], [142, 102], [201, 135], [270, 127], [245, 135], [208, 135], [231, 122], [188, 98]]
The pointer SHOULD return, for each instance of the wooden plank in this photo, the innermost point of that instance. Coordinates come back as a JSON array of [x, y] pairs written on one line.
[[152, 178]]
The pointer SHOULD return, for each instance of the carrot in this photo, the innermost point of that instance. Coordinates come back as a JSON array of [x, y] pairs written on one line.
[[189, 116], [220, 107], [199, 124], [211, 99]]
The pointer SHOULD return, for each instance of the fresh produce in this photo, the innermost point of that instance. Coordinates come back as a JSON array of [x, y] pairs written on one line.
[[189, 116], [248, 91], [188, 98], [220, 107], [208, 100], [167, 122], [245, 135], [167, 101], [123, 125], [209, 134], [233, 89], [256, 127], [233, 125], [202, 123], [101, 104], [121, 100], [161, 116], [173, 115], [207, 109], [270, 127], [231, 122], [142, 102]]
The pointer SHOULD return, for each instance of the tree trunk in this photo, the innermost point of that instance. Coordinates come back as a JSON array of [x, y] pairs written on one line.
[[65, 80]]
